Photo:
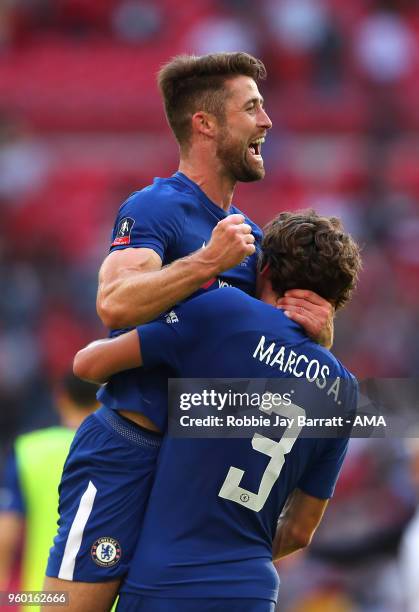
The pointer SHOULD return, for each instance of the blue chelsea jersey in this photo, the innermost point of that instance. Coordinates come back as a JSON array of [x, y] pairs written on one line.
[[199, 538], [174, 217]]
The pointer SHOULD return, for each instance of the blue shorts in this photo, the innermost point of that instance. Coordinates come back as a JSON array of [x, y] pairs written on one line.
[[136, 603], [104, 490]]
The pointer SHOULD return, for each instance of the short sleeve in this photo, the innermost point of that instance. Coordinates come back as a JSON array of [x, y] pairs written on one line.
[[176, 336], [160, 343], [170, 338], [150, 219], [11, 497], [320, 479]]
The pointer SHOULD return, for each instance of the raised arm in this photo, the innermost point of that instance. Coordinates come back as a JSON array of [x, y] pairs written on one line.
[[134, 288], [299, 520], [98, 361]]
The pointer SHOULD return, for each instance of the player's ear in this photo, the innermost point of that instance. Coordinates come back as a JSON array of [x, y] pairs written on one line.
[[263, 285], [204, 123]]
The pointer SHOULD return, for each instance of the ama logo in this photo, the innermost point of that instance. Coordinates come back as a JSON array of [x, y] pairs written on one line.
[[123, 234]]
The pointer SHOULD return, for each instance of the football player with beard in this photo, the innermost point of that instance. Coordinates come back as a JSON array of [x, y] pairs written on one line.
[[173, 240]]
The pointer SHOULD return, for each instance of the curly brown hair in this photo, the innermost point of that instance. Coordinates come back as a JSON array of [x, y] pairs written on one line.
[[190, 83], [306, 251]]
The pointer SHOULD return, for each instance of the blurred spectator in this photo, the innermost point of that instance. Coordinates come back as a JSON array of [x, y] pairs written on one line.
[[220, 34], [298, 25], [23, 162], [34, 16], [83, 18], [385, 47], [328, 57], [134, 21], [6, 24], [29, 493], [351, 563], [307, 42]]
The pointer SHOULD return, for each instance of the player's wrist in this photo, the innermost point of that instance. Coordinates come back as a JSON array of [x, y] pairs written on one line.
[[208, 264]]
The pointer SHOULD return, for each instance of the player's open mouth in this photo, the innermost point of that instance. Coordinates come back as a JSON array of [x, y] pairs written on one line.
[[255, 148]]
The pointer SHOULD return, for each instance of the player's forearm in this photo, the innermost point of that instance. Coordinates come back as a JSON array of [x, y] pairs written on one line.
[[6, 564], [297, 524], [11, 525], [139, 297], [91, 362], [287, 541], [98, 361]]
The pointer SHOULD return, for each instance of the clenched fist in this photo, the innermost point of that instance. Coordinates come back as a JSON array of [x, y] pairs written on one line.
[[231, 242]]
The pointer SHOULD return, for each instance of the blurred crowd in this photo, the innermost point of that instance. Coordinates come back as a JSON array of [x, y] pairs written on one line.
[[82, 126]]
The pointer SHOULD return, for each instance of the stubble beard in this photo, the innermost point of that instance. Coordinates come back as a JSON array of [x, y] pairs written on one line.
[[233, 156]]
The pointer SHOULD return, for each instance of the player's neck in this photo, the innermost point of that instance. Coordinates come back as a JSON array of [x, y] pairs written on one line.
[[265, 293], [270, 299], [209, 177]]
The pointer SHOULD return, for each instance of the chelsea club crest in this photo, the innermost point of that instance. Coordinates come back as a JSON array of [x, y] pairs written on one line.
[[106, 552]]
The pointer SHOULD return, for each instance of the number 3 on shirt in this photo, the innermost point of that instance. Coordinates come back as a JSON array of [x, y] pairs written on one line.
[[276, 451]]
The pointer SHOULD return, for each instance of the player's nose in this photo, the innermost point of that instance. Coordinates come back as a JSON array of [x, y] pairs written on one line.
[[264, 119]]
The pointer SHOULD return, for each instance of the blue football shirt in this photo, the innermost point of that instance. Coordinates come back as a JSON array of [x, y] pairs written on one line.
[[174, 217], [199, 539]]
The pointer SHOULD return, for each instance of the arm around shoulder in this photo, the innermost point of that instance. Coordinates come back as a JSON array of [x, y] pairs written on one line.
[[98, 361]]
